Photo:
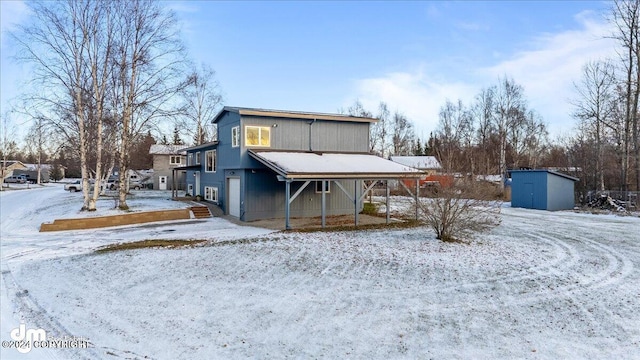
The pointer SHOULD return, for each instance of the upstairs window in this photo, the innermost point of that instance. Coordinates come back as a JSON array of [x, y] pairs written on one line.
[[198, 158], [235, 136], [257, 136], [175, 160], [210, 161], [190, 159]]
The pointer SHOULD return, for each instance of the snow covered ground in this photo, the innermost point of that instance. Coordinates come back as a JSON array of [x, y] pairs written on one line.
[[542, 285]]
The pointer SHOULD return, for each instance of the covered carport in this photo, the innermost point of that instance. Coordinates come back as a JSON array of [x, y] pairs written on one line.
[[326, 167]]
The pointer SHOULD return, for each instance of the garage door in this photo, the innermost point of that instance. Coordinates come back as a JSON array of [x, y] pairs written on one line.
[[234, 197]]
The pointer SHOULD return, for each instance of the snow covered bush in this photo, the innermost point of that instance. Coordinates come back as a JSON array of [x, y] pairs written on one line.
[[457, 212]]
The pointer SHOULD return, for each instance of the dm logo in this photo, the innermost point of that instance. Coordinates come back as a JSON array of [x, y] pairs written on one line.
[[25, 338]]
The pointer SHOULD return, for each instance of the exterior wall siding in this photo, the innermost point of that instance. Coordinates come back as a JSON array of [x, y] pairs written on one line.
[[561, 193], [541, 190], [161, 167], [262, 196], [265, 197], [529, 190]]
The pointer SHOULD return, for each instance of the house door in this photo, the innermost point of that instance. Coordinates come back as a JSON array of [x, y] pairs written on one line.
[[197, 176], [528, 195], [162, 180], [233, 207]]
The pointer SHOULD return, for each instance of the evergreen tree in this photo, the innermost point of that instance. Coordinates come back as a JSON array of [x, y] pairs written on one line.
[[176, 137], [417, 148]]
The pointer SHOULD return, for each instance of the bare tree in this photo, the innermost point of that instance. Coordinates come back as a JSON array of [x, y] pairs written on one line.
[[402, 134], [483, 112], [457, 212], [202, 99], [454, 126], [148, 67], [626, 19], [594, 106], [508, 111], [64, 43], [378, 140]]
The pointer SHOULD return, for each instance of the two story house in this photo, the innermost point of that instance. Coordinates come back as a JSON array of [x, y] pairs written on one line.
[[165, 159], [274, 164]]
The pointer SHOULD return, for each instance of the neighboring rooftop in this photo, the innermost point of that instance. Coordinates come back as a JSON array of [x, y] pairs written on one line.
[[159, 149], [418, 162], [291, 114]]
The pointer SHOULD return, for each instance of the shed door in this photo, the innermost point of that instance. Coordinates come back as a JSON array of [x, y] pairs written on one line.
[[528, 195], [234, 197]]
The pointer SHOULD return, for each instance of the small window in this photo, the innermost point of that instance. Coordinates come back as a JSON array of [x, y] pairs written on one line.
[[327, 187], [175, 160], [198, 158], [235, 136], [210, 161], [211, 193], [190, 159], [257, 136]]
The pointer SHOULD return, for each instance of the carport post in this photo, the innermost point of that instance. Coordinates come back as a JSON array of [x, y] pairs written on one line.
[[355, 201], [387, 190], [417, 195], [324, 204], [287, 195]]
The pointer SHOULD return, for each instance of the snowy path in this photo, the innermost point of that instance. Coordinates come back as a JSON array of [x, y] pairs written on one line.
[[541, 286]]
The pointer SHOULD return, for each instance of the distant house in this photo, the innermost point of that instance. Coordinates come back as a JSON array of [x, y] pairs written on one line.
[[275, 163], [7, 168], [165, 159], [542, 189], [427, 164], [31, 172]]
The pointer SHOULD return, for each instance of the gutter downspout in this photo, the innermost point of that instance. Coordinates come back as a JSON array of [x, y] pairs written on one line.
[[311, 133]]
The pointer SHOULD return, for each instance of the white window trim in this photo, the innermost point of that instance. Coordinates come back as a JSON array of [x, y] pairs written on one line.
[[206, 161], [190, 159], [319, 187], [198, 158], [246, 143], [173, 157], [211, 193], [235, 136]]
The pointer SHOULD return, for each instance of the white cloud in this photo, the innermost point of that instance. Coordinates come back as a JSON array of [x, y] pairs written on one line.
[[415, 94], [547, 72]]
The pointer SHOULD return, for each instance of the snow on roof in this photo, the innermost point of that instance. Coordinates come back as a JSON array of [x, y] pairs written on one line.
[[159, 149], [332, 165], [418, 162]]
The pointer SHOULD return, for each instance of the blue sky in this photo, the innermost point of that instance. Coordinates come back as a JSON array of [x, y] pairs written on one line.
[[322, 56]]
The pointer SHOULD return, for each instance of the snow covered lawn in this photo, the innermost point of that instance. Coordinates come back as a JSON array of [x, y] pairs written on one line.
[[542, 285]]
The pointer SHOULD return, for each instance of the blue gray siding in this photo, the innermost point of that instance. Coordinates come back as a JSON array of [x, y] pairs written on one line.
[[541, 190]]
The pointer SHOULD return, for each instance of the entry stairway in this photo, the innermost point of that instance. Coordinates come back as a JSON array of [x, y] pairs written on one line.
[[200, 212]]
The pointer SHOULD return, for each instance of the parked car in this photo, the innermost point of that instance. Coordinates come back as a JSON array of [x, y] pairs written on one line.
[[19, 179], [112, 184], [74, 187]]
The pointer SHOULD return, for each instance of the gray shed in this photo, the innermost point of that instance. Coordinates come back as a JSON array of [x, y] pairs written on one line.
[[542, 189]]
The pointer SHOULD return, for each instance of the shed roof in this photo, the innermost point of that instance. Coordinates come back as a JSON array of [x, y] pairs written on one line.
[[311, 165], [160, 149], [291, 114], [547, 171], [418, 162]]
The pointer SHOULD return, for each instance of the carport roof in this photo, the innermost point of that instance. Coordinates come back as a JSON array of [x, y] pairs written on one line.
[[318, 165]]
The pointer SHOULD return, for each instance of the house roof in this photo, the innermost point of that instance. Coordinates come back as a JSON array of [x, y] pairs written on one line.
[[291, 114], [159, 149], [547, 171], [418, 162], [201, 146], [11, 163], [311, 165]]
